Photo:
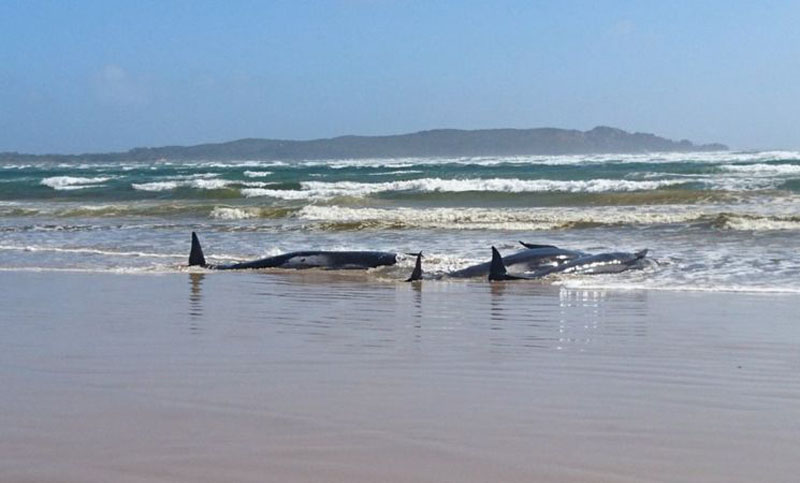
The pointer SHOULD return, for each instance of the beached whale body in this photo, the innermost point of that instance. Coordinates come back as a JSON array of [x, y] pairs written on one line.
[[334, 260], [611, 262], [533, 258]]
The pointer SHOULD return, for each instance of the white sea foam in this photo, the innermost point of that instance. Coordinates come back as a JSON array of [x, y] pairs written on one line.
[[613, 283], [16, 166], [761, 169], [325, 190], [200, 183], [209, 184], [258, 184], [743, 183], [282, 194], [760, 223], [494, 219], [73, 182], [399, 171], [150, 270], [156, 186], [532, 219], [194, 176], [511, 185], [257, 174], [80, 187], [92, 251], [713, 157], [320, 190], [236, 164], [226, 213], [733, 162], [657, 175]]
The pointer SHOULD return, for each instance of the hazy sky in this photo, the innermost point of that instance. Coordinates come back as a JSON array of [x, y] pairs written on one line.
[[104, 75]]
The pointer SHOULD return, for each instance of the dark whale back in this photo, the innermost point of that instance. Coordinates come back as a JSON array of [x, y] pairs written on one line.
[[338, 260], [610, 262], [527, 260]]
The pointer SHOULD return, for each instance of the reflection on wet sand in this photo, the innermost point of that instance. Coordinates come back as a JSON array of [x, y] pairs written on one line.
[[416, 288], [333, 307], [320, 376], [196, 299]]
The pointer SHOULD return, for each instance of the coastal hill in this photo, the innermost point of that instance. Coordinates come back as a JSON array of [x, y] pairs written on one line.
[[439, 142]]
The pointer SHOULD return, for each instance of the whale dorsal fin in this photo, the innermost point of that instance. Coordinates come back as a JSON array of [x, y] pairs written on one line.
[[497, 270], [417, 273], [196, 257]]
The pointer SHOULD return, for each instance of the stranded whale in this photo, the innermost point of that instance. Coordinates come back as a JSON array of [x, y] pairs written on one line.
[[534, 257], [538, 261], [338, 260], [611, 262]]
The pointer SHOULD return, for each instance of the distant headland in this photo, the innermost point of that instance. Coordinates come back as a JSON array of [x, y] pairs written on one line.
[[434, 143]]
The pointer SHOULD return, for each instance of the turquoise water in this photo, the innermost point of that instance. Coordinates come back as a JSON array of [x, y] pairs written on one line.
[[713, 221]]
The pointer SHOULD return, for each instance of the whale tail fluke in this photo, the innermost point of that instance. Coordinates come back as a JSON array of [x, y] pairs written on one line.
[[196, 257], [417, 273], [534, 245], [497, 270]]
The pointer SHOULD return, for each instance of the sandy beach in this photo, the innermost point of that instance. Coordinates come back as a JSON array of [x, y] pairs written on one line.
[[208, 211], [314, 376]]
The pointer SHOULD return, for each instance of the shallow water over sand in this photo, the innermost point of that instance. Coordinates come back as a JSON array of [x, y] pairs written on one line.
[[713, 221], [320, 376]]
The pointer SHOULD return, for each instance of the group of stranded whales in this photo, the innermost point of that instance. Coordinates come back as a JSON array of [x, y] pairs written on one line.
[[530, 263]]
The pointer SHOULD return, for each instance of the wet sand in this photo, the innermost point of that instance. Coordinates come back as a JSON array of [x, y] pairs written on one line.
[[314, 376]]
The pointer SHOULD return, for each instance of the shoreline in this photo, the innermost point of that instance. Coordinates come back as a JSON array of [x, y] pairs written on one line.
[[581, 283]]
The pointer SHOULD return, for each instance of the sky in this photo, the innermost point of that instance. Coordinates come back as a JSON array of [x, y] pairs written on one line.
[[96, 76]]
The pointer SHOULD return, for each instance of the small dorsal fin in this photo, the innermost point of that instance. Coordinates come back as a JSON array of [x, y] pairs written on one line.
[[417, 273], [196, 257], [534, 245]]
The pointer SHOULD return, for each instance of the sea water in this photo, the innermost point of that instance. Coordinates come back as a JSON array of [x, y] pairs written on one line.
[[713, 221]]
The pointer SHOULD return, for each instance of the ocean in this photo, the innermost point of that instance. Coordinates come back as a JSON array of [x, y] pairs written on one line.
[[713, 221]]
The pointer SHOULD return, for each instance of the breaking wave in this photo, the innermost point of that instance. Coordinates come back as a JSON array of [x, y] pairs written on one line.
[[762, 169], [257, 174], [748, 222], [200, 183], [248, 212], [327, 190], [66, 183], [534, 219]]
